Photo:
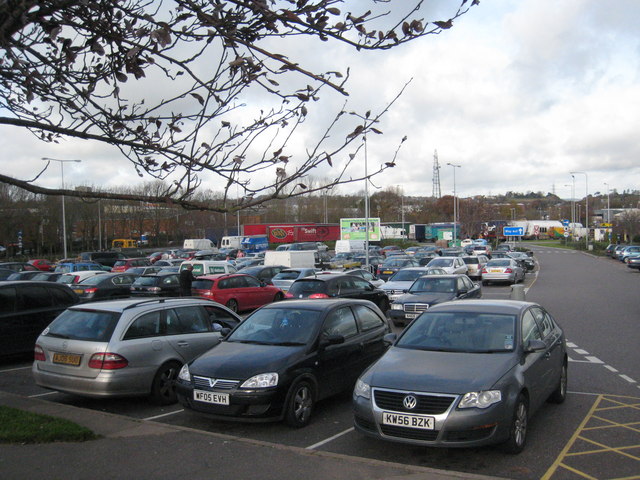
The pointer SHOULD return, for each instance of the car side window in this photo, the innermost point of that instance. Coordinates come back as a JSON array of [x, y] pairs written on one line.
[[360, 284], [224, 284], [218, 315], [61, 296], [367, 318], [530, 330], [250, 282], [191, 320], [33, 297], [543, 321], [340, 322], [147, 325], [170, 280]]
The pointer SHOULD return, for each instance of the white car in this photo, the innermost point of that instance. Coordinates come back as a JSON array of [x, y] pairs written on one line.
[[449, 264], [76, 277], [466, 242]]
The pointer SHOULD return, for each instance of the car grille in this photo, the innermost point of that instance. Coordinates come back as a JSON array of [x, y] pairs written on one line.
[[427, 404], [394, 292], [207, 383], [410, 433], [415, 307]]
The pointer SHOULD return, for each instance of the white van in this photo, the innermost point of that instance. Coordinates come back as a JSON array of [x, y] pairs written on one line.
[[198, 244], [231, 242], [208, 267]]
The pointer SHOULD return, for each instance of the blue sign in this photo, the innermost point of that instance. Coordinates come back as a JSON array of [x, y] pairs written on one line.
[[513, 231], [565, 222]]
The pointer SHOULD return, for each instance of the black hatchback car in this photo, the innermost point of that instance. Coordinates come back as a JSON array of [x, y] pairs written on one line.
[[282, 359], [26, 308], [427, 291], [107, 286], [332, 285], [161, 284]]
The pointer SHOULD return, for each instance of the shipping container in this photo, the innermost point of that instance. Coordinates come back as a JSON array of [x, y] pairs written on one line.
[[303, 233]]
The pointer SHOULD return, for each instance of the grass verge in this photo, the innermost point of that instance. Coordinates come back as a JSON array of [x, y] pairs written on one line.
[[19, 426]]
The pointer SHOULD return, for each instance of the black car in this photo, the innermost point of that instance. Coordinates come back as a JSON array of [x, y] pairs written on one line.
[[5, 272], [284, 358], [26, 308], [264, 273], [430, 290], [19, 266], [332, 285], [104, 287], [393, 264], [161, 284]]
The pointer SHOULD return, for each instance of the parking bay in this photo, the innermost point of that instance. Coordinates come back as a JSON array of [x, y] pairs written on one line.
[[551, 430]]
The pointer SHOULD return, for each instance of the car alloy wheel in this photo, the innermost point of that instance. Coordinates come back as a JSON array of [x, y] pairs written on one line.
[[163, 391], [560, 393], [300, 405], [518, 428], [232, 305]]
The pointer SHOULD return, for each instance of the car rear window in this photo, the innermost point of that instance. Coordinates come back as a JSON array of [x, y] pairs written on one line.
[[120, 263], [202, 284], [307, 287], [469, 260], [146, 281], [287, 275], [90, 325]]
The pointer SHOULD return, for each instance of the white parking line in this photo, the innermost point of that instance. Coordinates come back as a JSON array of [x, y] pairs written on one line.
[[163, 415], [15, 369], [610, 368], [43, 394], [319, 444], [594, 359], [581, 351], [628, 379]]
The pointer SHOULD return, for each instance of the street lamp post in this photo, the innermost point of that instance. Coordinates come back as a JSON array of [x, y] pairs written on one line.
[[455, 208], [608, 204], [64, 223], [586, 206]]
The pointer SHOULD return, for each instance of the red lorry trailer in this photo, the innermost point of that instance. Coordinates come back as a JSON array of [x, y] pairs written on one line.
[[303, 233]]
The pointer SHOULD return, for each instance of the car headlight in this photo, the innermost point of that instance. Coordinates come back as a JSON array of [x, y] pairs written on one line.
[[362, 389], [184, 374], [483, 399], [264, 380], [397, 306]]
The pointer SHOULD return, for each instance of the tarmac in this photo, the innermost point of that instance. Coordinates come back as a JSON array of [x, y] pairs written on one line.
[[128, 448]]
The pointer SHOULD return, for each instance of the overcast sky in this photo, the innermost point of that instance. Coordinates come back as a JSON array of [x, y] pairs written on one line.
[[518, 93]]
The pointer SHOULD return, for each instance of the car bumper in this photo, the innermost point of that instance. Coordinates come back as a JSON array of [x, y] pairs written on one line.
[[454, 428], [108, 383], [256, 406], [498, 277]]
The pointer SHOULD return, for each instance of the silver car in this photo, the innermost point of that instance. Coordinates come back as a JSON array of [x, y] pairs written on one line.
[[401, 281], [451, 265], [502, 270], [127, 347], [286, 277]]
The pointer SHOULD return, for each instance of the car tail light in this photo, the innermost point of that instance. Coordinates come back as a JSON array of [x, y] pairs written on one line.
[[319, 295], [107, 361], [288, 295], [484, 269], [76, 279], [508, 270], [38, 354], [154, 289], [90, 290]]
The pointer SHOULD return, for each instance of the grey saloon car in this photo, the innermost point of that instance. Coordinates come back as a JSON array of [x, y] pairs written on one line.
[[465, 374], [127, 347]]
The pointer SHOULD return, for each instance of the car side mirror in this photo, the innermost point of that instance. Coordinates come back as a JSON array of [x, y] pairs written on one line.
[[225, 332], [405, 290], [535, 346], [331, 340], [389, 338], [462, 291]]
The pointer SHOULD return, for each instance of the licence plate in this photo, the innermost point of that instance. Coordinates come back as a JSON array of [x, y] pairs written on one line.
[[411, 315], [412, 421], [79, 291], [210, 397], [387, 272], [495, 270], [67, 359]]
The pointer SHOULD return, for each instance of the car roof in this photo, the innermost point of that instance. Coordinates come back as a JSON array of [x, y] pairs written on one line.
[[128, 303], [325, 304], [512, 307]]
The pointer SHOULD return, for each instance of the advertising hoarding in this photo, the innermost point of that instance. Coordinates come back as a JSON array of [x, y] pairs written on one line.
[[355, 229]]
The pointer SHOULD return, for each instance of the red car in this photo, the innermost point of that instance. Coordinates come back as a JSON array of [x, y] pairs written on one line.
[[127, 263], [43, 264], [236, 290]]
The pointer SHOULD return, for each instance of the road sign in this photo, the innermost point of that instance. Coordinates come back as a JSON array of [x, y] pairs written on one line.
[[565, 222], [566, 234], [513, 231]]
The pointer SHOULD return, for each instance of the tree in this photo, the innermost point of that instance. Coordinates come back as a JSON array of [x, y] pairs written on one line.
[[164, 82]]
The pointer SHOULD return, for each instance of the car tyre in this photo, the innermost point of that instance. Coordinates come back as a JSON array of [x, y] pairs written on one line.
[[278, 297], [398, 323], [163, 391], [560, 393], [232, 305], [383, 305], [518, 428], [485, 283], [300, 405]]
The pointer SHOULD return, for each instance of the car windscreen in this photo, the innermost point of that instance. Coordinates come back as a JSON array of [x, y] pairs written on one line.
[[406, 275], [278, 326], [499, 263], [202, 284], [287, 275], [395, 262], [146, 281], [433, 284], [94, 280], [90, 325], [441, 262], [460, 331], [470, 260], [307, 287]]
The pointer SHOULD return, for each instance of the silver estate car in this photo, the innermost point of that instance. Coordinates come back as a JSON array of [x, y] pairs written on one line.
[[502, 270], [129, 347], [465, 374]]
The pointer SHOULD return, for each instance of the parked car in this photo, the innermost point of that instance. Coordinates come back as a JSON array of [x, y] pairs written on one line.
[[128, 347], [393, 264], [424, 257], [150, 270], [77, 277], [634, 262], [366, 275], [104, 287], [161, 284], [26, 308], [127, 263], [248, 262], [610, 248], [453, 252], [450, 264], [238, 291], [47, 276], [331, 285], [264, 273], [208, 267], [616, 251], [431, 290], [525, 261], [283, 359], [43, 264], [24, 275], [18, 266], [630, 251], [482, 250], [465, 374], [285, 278], [108, 259], [5, 272], [69, 267], [400, 282], [502, 270], [169, 262], [475, 264], [389, 248]]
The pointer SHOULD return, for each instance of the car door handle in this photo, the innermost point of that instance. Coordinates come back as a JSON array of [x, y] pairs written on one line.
[[183, 344]]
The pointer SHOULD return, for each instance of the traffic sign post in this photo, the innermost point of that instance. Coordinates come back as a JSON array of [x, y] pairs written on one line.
[[513, 231]]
